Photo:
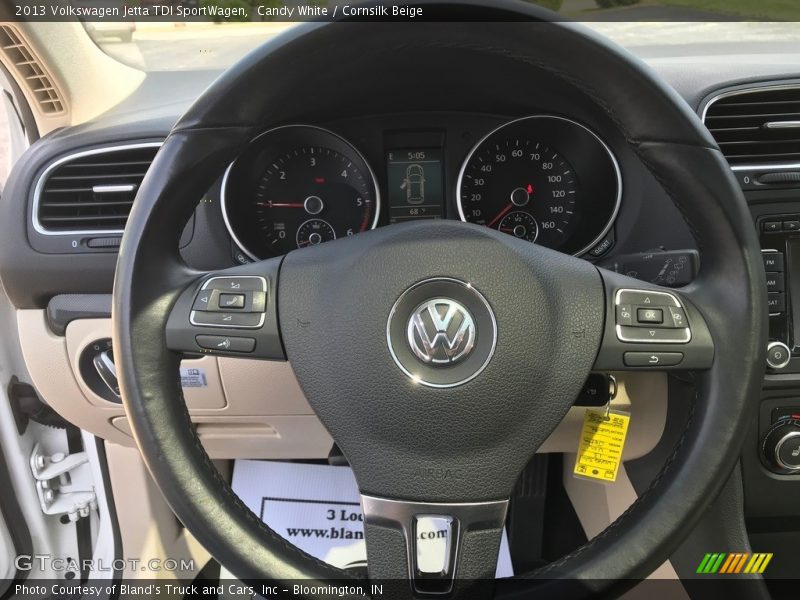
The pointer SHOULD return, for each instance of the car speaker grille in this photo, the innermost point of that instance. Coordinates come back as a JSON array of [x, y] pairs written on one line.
[[92, 191], [757, 126], [31, 71]]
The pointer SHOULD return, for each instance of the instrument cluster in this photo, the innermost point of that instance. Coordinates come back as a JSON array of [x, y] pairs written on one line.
[[544, 179]]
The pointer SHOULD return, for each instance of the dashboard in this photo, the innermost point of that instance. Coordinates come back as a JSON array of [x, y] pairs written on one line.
[[544, 164], [543, 178]]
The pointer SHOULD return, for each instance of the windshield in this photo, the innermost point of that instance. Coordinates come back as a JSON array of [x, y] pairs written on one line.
[[651, 29]]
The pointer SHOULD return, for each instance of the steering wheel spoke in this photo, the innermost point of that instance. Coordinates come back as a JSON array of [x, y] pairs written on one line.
[[649, 327], [229, 313], [441, 548]]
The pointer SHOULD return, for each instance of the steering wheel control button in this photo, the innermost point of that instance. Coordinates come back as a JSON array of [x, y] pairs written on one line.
[[659, 318], [235, 302], [771, 226], [257, 301], [773, 261], [653, 334], [221, 343], [624, 314], [677, 318], [433, 535], [203, 301], [228, 301], [653, 359], [237, 284], [778, 355], [229, 313], [650, 315], [646, 298], [227, 319], [441, 332]]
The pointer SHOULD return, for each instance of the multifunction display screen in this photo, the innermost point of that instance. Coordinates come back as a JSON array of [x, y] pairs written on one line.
[[416, 188]]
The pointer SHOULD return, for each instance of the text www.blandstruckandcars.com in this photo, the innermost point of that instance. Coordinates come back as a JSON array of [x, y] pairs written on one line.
[[342, 533]]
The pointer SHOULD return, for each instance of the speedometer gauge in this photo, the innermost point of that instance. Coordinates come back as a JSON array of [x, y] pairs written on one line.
[[542, 179], [297, 186], [539, 187]]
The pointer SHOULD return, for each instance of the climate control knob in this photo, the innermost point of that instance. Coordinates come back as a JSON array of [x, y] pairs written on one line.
[[781, 446], [778, 355]]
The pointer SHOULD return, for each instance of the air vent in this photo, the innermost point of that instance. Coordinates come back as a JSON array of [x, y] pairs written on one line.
[[31, 71], [92, 191], [757, 126]]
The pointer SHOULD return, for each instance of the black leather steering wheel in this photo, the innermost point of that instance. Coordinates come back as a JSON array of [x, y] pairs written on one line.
[[417, 449]]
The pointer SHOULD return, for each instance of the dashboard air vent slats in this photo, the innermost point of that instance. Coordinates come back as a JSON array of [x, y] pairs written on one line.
[[757, 126], [92, 191], [31, 71]]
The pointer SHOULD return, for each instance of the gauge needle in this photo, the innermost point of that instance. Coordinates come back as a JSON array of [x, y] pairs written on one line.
[[500, 215], [281, 204]]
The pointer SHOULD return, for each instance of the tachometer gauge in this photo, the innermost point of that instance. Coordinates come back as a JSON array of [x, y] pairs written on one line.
[[297, 186], [311, 181], [542, 179]]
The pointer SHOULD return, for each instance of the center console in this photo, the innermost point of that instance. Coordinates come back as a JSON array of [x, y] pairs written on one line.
[[777, 220], [758, 129]]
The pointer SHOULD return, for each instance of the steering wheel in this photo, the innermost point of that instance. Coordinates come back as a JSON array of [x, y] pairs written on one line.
[[445, 434]]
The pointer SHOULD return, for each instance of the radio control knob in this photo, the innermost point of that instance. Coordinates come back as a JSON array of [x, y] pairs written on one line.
[[781, 446], [778, 355]]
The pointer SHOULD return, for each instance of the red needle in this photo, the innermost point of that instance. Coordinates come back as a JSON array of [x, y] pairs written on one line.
[[281, 204], [500, 215]]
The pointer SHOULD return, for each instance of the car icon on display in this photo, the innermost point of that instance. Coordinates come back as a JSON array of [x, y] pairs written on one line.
[[414, 184]]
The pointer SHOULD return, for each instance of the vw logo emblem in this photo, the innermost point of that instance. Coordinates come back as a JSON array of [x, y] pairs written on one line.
[[441, 331]]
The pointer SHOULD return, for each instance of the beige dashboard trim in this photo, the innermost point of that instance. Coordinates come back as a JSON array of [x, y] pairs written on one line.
[[256, 409], [90, 81], [148, 528], [249, 408]]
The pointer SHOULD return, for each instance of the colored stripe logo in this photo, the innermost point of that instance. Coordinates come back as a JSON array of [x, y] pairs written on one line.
[[734, 563]]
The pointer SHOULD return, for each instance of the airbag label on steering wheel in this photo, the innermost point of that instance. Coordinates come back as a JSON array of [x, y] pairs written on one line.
[[601, 444]]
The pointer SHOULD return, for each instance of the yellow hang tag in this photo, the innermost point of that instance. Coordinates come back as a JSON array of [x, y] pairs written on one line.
[[601, 444]]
